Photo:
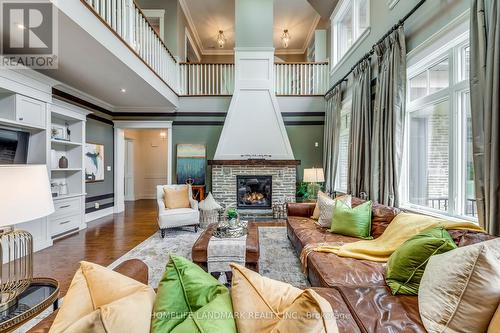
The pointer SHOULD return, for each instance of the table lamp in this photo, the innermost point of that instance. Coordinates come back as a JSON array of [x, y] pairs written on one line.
[[313, 176], [24, 196]]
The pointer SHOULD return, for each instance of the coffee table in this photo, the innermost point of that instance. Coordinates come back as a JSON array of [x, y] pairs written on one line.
[[199, 251], [40, 295]]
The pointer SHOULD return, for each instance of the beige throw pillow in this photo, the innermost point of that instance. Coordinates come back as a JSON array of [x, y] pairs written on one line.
[[176, 197], [265, 305], [326, 206], [315, 215], [101, 300], [460, 289]]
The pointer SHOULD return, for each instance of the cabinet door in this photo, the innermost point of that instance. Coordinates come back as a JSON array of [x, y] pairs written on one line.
[[30, 111]]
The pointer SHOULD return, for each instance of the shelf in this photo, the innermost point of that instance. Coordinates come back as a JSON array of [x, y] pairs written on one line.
[[67, 170], [65, 143], [68, 196]]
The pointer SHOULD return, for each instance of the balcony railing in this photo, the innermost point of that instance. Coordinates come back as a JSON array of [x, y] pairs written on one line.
[[442, 204], [291, 79], [130, 24]]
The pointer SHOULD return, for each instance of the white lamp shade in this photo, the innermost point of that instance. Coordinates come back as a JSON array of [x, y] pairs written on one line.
[[24, 194], [314, 175]]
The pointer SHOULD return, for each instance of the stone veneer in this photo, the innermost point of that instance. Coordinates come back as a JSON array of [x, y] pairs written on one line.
[[224, 181]]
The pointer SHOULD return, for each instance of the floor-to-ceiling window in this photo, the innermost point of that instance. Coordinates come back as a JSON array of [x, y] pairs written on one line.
[[341, 176], [438, 174]]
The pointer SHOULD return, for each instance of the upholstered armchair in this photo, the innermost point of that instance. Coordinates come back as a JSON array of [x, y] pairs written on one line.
[[179, 217]]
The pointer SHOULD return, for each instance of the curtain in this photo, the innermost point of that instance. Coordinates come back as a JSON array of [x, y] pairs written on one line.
[[389, 119], [485, 109], [358, 181], [331, 137]]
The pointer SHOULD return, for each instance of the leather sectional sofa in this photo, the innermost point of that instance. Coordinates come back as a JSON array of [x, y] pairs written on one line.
[[356, 288]]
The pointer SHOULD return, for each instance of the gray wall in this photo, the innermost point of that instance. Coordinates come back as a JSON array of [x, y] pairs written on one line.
[[102, 133], [430, 18], [254, 23]]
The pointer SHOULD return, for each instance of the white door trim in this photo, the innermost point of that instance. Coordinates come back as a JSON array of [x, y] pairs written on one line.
[[119, 178], [159, 14]]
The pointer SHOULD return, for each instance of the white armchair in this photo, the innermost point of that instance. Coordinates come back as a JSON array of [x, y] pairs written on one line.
[[180, 217]]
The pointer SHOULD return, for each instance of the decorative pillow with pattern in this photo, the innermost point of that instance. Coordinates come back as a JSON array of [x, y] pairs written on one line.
[[326, 206]]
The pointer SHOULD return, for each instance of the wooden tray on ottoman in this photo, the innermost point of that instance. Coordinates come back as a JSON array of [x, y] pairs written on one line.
[[199, 251]]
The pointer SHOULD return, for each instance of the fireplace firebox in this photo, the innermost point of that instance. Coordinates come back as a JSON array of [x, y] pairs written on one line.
[[254, 192]]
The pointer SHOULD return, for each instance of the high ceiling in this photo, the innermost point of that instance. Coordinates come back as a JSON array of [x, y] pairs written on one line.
[[206, 18]]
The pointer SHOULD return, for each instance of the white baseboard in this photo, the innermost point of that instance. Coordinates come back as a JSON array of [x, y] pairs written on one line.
[[98, 214]]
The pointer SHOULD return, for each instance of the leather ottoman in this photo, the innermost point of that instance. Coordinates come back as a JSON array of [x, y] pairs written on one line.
[[199, 251]]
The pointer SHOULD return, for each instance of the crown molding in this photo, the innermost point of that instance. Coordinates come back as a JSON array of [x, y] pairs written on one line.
[[84, 96], [203, 51]]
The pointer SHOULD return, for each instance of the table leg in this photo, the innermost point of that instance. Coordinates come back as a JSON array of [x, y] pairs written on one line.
[[55, 306]]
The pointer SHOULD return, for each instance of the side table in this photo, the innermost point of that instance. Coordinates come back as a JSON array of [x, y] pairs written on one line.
[[39, 296]]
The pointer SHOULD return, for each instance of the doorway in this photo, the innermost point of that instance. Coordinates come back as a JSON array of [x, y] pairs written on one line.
[[143, 159]]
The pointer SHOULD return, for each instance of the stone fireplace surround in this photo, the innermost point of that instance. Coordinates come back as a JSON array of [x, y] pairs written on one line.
[[224, 172]]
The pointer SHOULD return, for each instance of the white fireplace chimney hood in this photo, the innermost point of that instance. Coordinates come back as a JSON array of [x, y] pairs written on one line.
[[254, 128]]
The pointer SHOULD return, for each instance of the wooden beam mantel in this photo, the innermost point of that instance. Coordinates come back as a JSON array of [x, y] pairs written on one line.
[[255, 162]]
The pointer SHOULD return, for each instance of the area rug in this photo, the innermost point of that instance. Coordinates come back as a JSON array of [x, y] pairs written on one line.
[[278, 259]]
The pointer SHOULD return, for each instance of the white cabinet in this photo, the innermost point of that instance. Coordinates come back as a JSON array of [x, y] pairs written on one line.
[[23, 110]]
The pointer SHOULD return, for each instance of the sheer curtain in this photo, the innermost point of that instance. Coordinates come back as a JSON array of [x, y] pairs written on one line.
[[359, 174], [485, 109], [389, 119], [331, 137]]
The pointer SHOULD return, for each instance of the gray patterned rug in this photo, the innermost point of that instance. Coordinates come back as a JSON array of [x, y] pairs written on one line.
[[278, 259]]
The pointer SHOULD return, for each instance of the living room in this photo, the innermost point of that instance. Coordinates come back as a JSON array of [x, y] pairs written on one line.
[[250, 165]]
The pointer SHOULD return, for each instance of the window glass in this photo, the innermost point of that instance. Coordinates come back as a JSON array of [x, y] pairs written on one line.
[[418, 86], [363, 15], [465, 63], [470, 201], [341, 178], [429, 156], [439, 76], [345, 31]]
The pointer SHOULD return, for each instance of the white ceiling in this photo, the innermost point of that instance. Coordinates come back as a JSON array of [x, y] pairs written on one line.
[[206, 18]]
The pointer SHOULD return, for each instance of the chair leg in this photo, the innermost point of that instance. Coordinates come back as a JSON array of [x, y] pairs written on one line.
[[162, 232], [195, 228]]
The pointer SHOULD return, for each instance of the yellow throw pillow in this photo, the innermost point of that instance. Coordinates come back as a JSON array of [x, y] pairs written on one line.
[[102, 300], [495, 322], [176, 197], [261, 304]]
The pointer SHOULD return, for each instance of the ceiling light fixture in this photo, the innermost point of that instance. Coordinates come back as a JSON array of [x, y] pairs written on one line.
[[123, 90], [285, 38], [221, 39]]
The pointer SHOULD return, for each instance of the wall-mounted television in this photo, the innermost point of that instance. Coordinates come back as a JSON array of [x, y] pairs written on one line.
[[13, 146]]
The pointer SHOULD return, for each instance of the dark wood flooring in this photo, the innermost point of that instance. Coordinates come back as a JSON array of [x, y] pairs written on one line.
[[104, 241]]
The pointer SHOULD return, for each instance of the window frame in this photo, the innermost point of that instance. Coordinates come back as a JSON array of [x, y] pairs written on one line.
[[345, 111], [458, 85], [358, 36]]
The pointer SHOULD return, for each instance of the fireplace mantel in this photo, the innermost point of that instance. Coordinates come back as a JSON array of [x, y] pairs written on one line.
[[255, 162]]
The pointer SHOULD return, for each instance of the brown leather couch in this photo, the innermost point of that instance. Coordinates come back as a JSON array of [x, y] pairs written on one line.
[[359, 285], [133, 268]]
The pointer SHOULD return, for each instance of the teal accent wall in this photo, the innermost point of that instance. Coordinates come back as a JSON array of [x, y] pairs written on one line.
[[102, 133], [254, 23]]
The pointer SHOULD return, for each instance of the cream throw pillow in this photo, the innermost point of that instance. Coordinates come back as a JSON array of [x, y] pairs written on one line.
[[326, 206], [209, 203], [460, 289], [176, 197], [495, 322], [265, 305], [315, 215], [101, 300]]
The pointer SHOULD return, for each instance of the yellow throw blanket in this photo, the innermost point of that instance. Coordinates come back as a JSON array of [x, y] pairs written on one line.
[[403, 227]]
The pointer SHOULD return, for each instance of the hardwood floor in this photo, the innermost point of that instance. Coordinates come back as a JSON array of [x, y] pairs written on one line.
[[104, 241]]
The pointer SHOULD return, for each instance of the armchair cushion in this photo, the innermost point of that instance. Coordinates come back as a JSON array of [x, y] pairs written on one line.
[[176, 197]]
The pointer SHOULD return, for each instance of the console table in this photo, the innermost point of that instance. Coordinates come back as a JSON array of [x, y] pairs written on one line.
[[40, 295]]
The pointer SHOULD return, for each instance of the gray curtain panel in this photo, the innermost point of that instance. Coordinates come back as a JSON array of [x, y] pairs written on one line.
[[485, 109], [331, 137], [359, 173], [389, 119]]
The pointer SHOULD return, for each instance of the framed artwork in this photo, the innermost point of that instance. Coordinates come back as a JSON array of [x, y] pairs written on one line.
[[94, 162], [58, 132], [191, 164]]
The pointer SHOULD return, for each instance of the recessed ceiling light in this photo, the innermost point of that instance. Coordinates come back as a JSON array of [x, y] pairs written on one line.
[[123, 90]]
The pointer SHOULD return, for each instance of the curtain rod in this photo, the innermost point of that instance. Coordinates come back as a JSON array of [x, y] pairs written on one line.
[[370, 53]]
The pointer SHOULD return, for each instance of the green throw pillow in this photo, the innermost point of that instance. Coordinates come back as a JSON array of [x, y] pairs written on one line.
[[191, 300], [354, 222], [407, 264]]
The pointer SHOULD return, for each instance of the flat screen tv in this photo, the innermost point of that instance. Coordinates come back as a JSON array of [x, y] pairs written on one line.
[[13, 146]]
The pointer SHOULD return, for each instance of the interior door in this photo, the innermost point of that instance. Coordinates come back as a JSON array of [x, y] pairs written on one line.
[[129, 170]]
